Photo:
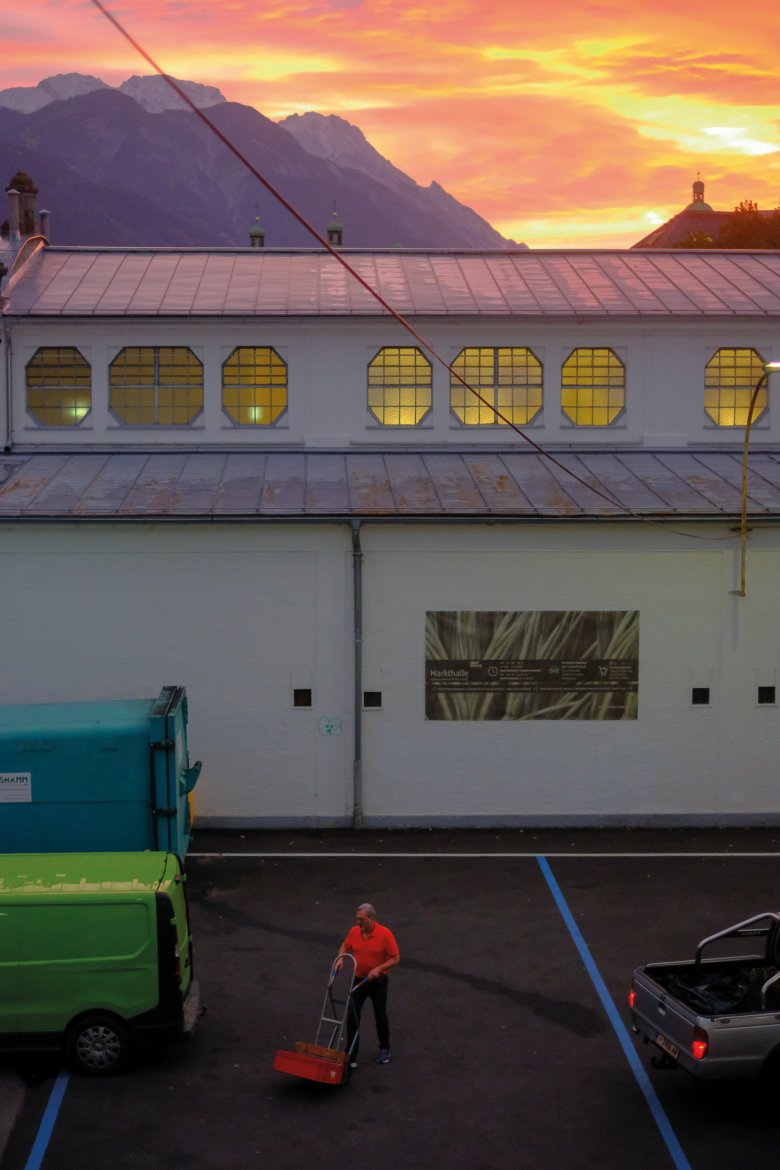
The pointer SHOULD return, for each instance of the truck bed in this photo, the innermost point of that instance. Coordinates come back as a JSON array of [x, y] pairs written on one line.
[[717, 986]]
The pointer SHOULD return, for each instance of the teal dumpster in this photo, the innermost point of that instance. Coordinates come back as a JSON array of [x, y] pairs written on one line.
[[96, 777]]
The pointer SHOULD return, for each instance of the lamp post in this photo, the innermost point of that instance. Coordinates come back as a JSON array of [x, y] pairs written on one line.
[[769, 368]]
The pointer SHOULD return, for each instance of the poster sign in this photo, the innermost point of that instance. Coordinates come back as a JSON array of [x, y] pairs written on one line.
[[15, 787], [538, 664]]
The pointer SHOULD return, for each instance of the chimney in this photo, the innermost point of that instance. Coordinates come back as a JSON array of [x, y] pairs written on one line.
[[44, 222], [13, 215]]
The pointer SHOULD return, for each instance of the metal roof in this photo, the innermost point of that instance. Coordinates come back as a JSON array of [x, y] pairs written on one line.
[[102, 282], [323, 485]]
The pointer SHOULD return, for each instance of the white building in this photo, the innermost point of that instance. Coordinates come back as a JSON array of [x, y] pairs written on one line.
[[238, 472]]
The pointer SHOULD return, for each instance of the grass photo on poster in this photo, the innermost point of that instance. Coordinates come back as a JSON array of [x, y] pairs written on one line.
[[548, 639]]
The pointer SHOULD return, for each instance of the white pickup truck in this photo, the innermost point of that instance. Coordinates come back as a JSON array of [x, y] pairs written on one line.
[[716, 1016]]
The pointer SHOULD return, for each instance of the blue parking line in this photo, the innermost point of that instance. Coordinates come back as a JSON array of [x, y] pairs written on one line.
[[656, 1108], [46, 1128]]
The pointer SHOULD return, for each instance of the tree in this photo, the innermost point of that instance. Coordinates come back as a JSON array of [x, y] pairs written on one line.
[[747, 227]]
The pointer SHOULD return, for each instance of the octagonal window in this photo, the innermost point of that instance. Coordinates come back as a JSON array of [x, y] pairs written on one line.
[[730, 377], [155, 386], [58, 383], [399, 386], [254, 386], [593, 387], [508, 380]]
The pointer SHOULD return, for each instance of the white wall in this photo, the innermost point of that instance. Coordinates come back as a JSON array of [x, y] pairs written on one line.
[[328, 359], [241, 614]]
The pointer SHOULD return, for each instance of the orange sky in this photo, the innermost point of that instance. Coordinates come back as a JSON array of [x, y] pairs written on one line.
[[568, 123]]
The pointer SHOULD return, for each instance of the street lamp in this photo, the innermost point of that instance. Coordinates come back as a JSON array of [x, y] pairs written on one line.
[[769, 368]]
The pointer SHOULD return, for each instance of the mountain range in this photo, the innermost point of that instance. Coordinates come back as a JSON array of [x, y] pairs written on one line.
[[133, 165]]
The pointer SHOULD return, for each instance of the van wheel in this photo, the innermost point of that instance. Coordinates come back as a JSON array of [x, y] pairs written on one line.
[[97, 1045]]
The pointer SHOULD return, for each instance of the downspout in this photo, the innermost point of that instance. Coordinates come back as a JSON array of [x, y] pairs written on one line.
[[9, 369], [357, 633]]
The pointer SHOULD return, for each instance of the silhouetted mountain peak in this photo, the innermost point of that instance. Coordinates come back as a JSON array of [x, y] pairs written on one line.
[[113, 153]]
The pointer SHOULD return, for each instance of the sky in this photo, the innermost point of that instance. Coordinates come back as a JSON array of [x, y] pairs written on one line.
[[565, 123]]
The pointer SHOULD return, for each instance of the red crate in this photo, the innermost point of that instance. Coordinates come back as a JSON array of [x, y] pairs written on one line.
[[311, 1068]]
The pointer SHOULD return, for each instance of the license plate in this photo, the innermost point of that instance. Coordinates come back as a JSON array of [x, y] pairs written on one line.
[[667, 1046]]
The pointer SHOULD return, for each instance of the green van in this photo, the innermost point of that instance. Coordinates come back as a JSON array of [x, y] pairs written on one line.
[[95, 955]]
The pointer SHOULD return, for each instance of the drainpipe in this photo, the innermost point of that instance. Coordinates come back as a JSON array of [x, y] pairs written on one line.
[[357, 595], [9, 431]]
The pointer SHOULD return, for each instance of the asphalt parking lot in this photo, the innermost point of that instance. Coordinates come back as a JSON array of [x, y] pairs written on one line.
[[503, 1053]]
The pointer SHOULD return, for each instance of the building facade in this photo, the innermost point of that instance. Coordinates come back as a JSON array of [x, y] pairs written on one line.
[[393, 600]]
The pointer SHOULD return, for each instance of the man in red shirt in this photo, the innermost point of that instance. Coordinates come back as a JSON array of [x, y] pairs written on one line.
[[375, 951]]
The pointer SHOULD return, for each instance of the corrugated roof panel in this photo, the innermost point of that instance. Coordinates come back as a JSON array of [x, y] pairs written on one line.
[[241, 487], [411, 485], [533, 475], [689, 278], [70, 278], [273, 290], [544, 289], [767, 465], [369, 485], [664, 483], [243, 286], [106, 493], [66, 486], [154, 492], [483, 283], [749, 278], [454, 484], [729, 282], [304, 286], [184, 283], [518, 297], [387, 279], [568, 275], [150, 293], [615, 477], [579, 482], [19, 492], [199, 482], [27, 287], [208, 296], [327, 491], [296, 485], [284, 486], [95, 286], [497, 486], [728, 467], [115, 299], [523, 283], [722, 495], [613, 286], [666, 297]]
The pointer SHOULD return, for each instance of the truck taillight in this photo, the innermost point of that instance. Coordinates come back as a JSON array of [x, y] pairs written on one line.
[[631, 996], [701, 1043]]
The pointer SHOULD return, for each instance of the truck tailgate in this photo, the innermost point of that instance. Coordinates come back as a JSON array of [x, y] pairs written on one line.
[[663, 1020]]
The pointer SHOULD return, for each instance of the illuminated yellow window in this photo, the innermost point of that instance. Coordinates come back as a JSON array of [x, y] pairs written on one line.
[[59, 386], [399, 386], [593, 387], [254, 386], [509, 379], [730, 378], [156, 386]]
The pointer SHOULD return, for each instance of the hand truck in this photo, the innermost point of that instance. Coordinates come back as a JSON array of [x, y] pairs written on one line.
[[327, 1059]]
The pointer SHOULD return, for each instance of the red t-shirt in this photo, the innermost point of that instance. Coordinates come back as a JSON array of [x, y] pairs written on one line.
[[372, 950]]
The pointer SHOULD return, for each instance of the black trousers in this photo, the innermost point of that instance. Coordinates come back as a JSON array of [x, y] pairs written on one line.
[[376, 991]]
